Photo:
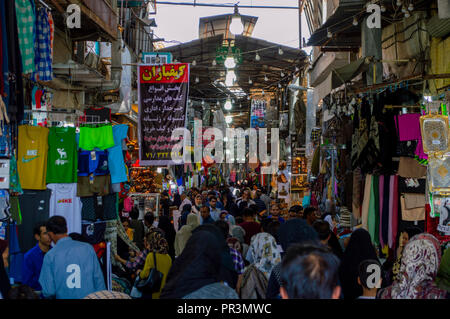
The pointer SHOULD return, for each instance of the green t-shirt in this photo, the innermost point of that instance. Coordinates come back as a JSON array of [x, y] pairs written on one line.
[[62, 160]]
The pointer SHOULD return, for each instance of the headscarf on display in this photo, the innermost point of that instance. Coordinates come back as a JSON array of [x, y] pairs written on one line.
[[443, 275], [420, 262], [157, 243], [183, 235], [359, 248], [265, 253], [169, 233], [196, 267], [227, 271]]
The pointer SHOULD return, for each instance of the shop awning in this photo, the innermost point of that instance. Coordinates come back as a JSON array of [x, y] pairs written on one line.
[[340, 22], [438, 28], [348, 72]]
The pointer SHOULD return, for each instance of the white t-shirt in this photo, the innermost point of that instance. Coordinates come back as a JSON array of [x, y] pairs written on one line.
[[64, 202]]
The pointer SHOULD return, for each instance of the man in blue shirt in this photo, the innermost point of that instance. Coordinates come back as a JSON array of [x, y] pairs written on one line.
[[206, 217], [214, 210], [33, 259], [275, 213], [71, 269]]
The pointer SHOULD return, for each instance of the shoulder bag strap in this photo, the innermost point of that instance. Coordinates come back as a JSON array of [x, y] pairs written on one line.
[[154, 260]]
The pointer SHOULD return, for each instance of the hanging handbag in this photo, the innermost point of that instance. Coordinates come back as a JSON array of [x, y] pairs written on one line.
[[153, 282]]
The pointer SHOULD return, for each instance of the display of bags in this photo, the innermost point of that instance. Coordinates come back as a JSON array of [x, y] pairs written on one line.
[[410, 168], [413, 207], [435, 133]]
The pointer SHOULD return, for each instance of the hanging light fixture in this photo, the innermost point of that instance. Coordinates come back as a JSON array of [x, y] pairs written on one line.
[[279, 85], [203, 102], [228, 106], [266, 78], [248, 97], [407, 14], [280, 51], [355, 21], [236, 26], [257, 57], [230, 63], [194, 63], [197, 79], [329, 34], [297, 69], [282, 74], [399, 3], [404, 9], [250, 81], [410, 6], [230, 78], [262, 92], [214, 63], [218, 104], [228, 119], [383, 8]]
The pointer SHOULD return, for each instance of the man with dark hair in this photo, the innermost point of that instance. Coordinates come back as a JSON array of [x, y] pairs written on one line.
[[296, 211], [327, 237], [250, 226], [309, 271], [149, 219], [275, 213], [138, 228], [310, 215], [71, 269], [205, 214], [261, 205], [33, 259], [366, 271], [245, 201], [214, 210]]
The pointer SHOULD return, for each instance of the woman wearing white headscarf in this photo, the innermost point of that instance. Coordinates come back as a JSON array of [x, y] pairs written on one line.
[[185, 233], [264, 253]]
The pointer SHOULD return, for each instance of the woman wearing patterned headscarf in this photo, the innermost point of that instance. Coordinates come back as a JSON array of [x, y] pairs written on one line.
[[420, 262], [158, 247], [264, 253]]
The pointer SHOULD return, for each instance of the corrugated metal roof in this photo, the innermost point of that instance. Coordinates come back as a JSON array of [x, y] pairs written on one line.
[[438, 28]]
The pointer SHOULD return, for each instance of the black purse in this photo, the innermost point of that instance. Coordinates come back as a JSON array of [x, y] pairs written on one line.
[[153, 283]]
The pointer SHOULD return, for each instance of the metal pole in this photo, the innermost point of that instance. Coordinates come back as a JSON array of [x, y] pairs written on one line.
[[300, 23]]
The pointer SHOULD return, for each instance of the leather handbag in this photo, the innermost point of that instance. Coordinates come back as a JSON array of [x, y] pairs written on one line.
[[153, 282]]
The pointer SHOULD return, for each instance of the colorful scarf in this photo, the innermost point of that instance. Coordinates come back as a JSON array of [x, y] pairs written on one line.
[[265, 253], [420, 261], [157, 243]]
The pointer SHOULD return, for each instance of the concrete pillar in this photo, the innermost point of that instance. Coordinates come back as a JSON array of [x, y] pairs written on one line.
[[371, 47]]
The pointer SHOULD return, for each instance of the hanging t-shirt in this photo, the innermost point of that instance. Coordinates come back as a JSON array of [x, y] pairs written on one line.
[[32, 156], [96, 137], [94, 162], [100, 114], [34, 208], [116, 162], [62, 155], [64, 202]]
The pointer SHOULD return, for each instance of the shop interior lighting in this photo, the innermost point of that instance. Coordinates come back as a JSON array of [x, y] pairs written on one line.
[[355, 21], [280, 51], [197, 79], [404, 10], [194, 63], [257, 57], [228, 119], [250, 81], [411, 6], [214, 63], [228, 105], [399, 3], [236, 26], [329, 34], [266, 78], [407, 14], [383, 8], [282, 74], [230, 63], [230, 78]]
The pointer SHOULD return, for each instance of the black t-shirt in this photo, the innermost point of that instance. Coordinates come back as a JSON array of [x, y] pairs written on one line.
[[34, 207], [98, 114]]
